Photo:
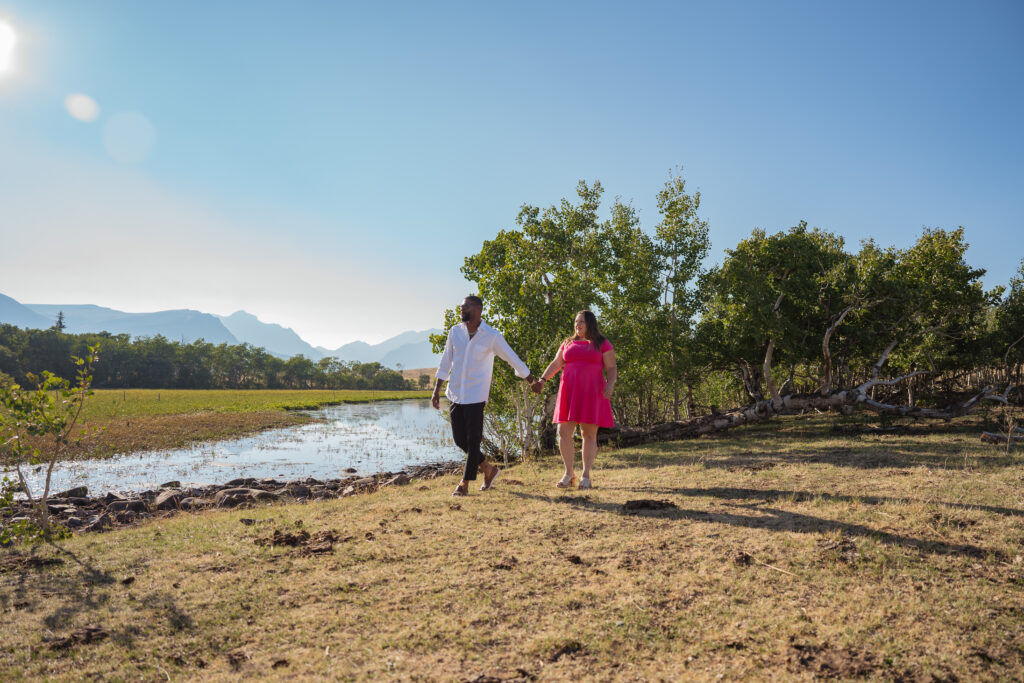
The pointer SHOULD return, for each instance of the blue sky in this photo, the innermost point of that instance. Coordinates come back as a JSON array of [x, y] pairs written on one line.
[[328, 165]]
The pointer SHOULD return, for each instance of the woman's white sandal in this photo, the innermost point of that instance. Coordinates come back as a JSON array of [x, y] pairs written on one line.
[[566, 482]]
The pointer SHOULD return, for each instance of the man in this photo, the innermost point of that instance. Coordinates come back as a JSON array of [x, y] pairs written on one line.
[[467, 364]]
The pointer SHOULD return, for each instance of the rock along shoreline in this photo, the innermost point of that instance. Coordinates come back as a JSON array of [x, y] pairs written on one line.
[[78, 512]]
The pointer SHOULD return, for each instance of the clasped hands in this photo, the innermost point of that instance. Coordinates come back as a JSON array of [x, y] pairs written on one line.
[[536, 384]]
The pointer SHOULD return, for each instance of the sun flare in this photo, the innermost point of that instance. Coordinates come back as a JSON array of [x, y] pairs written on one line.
[[8, 39]]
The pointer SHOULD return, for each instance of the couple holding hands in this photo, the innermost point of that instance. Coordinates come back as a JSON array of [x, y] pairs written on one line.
[[586, 359]]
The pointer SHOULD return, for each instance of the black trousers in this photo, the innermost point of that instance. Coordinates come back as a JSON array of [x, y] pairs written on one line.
[[468, 432]]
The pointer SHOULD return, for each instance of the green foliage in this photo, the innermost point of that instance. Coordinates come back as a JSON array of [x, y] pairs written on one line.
[[792, 286], [1009, 321], [563, 259], [43, 416], [782, 287], [795, 304]]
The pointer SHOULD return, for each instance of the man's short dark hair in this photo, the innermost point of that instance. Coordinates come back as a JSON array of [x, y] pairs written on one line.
[[475, 300]]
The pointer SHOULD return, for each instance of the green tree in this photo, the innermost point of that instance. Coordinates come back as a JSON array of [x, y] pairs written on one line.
[[771, 301], [532, 281], [682, 243]]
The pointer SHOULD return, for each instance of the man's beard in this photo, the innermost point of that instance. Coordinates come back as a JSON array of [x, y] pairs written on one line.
[[466, 317]]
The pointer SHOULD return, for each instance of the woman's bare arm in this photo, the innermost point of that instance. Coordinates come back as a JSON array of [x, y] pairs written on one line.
[[553, 367], [611, 373]]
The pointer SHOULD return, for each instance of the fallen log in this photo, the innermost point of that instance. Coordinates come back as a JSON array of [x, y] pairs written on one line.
[[858, 397], [1002, 439]]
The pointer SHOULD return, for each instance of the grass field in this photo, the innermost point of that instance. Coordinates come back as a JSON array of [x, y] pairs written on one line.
[[108, 404], [126, 421], [790, 551]]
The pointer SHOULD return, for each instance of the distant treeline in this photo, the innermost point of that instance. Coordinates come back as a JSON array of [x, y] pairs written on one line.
[[158, 363]]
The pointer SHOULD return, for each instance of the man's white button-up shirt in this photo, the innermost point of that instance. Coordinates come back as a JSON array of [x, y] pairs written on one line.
[[468, 364]]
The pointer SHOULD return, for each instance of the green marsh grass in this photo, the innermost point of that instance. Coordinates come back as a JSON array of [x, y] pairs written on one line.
[[108, 404], [126, 421]]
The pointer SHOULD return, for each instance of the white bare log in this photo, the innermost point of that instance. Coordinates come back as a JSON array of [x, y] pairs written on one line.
[[846, 399], [1001, 439]]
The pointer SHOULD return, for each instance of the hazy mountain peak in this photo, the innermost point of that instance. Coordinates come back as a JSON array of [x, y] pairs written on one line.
[[410, 349]]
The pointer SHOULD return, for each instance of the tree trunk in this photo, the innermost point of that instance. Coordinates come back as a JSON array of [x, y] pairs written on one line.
[[766, 371]]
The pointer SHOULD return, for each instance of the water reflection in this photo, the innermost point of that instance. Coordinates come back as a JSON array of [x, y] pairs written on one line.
[[369, 437]]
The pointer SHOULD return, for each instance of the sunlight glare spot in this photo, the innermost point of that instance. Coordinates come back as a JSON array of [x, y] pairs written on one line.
[[8, 39], [81, 107]]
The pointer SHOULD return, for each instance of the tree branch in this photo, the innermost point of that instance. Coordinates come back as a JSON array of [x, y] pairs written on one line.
[[1006, 356], [767, 371], [826, 382]]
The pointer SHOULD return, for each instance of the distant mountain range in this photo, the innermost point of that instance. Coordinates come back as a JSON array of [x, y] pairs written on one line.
[[409, 349]]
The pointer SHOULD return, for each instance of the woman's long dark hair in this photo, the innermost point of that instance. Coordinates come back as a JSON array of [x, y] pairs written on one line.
[[592, 333]]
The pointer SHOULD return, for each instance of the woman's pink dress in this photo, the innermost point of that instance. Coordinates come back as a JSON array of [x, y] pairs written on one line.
[[581, 391]]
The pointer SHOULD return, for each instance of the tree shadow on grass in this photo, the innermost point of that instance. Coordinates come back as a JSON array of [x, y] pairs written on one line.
[[893, 453], [770, 519], [830, 439], [768, 495], [82, 593]]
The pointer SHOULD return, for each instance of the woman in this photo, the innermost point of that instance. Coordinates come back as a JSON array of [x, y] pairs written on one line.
[[583, 394]]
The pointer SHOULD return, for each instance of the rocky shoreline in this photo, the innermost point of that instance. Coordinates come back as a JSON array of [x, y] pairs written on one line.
[[77, 511]]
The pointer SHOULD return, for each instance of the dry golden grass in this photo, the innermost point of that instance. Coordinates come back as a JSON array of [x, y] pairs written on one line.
[[792, 552]]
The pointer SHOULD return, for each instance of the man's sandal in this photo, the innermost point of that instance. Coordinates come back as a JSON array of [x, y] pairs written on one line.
[[460, 491]]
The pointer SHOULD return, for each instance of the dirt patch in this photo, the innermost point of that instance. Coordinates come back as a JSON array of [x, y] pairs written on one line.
[[520, 676], [826, 661], [647, 504], [83, 636], [839, 548], [945, 519], [754, 467], [305, 544], [236, 659], [506, 564], [569, 647], [284, 538], [742, 559], [13, 563], [322, 542]]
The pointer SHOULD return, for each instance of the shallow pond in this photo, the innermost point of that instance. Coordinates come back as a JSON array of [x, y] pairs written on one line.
[[369, 437]]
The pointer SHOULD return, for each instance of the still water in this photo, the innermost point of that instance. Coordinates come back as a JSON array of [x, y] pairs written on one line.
[[369, 437]]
